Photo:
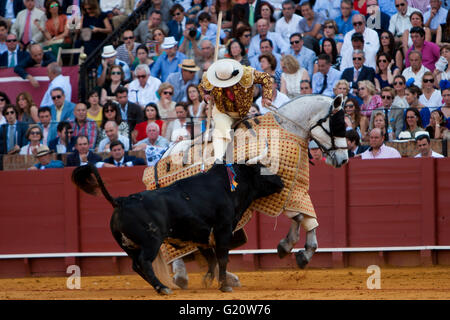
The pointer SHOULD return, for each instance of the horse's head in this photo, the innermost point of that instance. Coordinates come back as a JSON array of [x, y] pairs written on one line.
[[328, 130]]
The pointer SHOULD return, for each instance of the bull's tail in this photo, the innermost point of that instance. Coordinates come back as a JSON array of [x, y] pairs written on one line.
[[88, 179]]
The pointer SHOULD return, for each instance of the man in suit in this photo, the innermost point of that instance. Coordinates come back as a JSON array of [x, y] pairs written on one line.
[[13, 55], [130, 112], [118, 158], [65, 141], [48, 126], [82, 155], [13, 132], [61, 109], [29, 23], [359, 71], [248, 12], [9, 11], [354, 143], [178, 23]]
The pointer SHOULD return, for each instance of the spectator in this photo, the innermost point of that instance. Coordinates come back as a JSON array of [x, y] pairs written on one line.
[[360, 6], [330, 31], [130, 112], [111, 112], [61, 109], [206, 56], [112, 134], [27, 24], [344, 21], [116, 10], [289, 22], [369, 37], [226, 6], [430, 51], [167, 63], [330, 9], [151, 114], [28, 111], [392, 113], [324, 80], [437, 128], [65, 141], [379, 120], [244, 36], [47, 125], [279, 44], [354, 144], [328, 47], [43, 155], [291, 76], [278, 98], [387, 6], [435, 15], [9, 11], [207, 29], [412, 94], [266, 11], [177, 24], [142, 57], [109, 58], [57, 80], [94, 111], [236, 51], [166, 106], [442, 71], [37, 58], [311, 26], [154, 145], [316, 153], [189, 40], [376, 18], [445, 92], [114, 80], [378, 150], [413, 121], [352, 115], [416, 69], [96, 26], [400, 22], [145, 32], [371, 101], [305, 87], [118, 158], [180, 80], [343, 87], [420, 5], [399, 87], [304, 56], [34, 137], [12, 55], [386, 71], [155, 45], [195, 104], [266, 47], [247, 12], [82, 154], [268, 64], [359, 72], [56, 31], [388, 46], [12, 133], [173, 128], [423, 144], [143, 88], [81, 125], [443, 32], [158, 5], [3, 34], [126, 52], [430, 98], [416, 21]]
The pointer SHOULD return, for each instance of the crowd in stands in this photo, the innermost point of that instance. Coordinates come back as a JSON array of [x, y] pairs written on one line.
[[388, 58]]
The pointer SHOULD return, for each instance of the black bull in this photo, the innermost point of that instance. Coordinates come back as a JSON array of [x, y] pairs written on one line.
[[189, 209]]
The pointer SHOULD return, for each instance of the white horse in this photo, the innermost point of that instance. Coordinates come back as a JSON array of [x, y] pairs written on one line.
[[315, 117]]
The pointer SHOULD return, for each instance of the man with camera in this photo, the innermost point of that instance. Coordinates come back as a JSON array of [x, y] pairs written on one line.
[[189, 40]]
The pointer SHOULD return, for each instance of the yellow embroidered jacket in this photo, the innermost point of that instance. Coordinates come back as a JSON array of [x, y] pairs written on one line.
[[242, 91]]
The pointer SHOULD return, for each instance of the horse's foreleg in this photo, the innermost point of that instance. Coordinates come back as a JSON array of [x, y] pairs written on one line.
[[210, 256], [285, 246], [304, 256], [180, 277]]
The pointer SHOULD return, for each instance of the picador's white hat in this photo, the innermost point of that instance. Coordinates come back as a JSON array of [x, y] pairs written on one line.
[[225, 73]]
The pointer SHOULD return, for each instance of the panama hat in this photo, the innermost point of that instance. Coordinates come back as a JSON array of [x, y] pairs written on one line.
[[42, 151], [225, 73], [189, 65], [421, 134], [169, 42], [313, 145], [108, 52]]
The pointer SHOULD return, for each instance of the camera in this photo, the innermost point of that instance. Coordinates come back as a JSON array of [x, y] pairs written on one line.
[[192, 32]]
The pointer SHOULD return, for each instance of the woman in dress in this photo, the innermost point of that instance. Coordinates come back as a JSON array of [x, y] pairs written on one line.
[[412, 94], [291, 76], [94, 111], [387, 45], [111, 112], [114, 79], [268, 64], [28, 111], [371, 101], [195, 105], [34, 136], [56, 32], [386, 71], [97, 21], [352, 115], [165, 104], [430, 97]]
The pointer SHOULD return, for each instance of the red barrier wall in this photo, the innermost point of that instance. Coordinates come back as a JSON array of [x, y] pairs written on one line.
[[377, 203]]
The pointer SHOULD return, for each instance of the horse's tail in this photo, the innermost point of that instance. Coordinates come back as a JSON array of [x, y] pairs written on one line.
[[88, 179]]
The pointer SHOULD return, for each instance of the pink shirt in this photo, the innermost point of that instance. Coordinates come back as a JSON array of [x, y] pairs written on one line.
[[430, 55], [385, 152], [374, 103]]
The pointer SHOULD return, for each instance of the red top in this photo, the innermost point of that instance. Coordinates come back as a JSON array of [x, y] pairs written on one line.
[[363, 9]]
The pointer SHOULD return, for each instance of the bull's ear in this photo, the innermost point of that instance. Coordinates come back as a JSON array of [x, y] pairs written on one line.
[[338, 101]]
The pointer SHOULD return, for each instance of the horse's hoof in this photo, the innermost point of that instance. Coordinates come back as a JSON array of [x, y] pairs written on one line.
[[282, 249], [301, 259], [181, 281], [226, 288], [233, 280], [208, 280], [165, 291]]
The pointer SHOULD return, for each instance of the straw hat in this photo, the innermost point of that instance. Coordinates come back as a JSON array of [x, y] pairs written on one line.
[[225, 73], [108, 52], [189, 65], [42, 151]]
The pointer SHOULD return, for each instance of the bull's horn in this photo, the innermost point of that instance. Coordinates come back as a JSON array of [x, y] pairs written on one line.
[[257, 159]]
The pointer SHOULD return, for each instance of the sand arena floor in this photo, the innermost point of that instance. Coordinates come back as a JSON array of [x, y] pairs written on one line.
[[349, 283]]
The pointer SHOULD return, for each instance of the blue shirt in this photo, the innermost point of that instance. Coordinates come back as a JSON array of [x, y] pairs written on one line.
[[387, 6], [346, 26], [305, 58], [330, 9], [211, 33], [333, 76], [163, 67], [176, 80], [53, 164]]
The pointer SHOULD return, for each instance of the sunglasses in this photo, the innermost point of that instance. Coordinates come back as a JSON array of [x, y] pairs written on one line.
[[109, 110], [168, 92], [141, 77], [357, 58], [428, 80], [359, 23], [382, 60], [349, 106], [398, 83], [328, 27], [56, 97], [411, 117], [177, 14], [11, 40], [116, 73], [2, 99], [361, 88], [384, 37], [55, 5], [10, 112], [70, 132], [386, 97], [295, 42], [34, 133], [127, 38], [400, 5], [247, 35]]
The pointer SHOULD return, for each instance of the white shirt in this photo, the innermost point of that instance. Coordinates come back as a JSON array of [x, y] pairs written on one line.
[[143, 96], [399, 24], [408, 73], [434, 102], [105, 141], [62, 82], [109, 5], [371, 46], [433, 155], [280, 99], [285, 29]]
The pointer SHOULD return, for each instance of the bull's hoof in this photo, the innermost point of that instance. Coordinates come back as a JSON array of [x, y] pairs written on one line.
[[283, 249], [165, 291], [233, 280], [181, 281], [208, 280], [226, 288], [301, 259]]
